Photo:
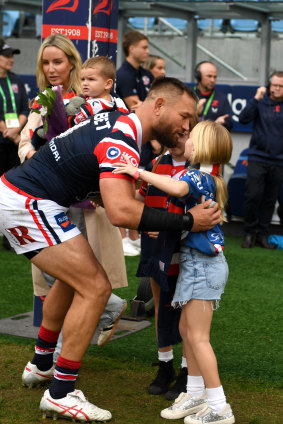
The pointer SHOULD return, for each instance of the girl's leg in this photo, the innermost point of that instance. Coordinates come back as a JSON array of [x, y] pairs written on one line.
[[195, 330]]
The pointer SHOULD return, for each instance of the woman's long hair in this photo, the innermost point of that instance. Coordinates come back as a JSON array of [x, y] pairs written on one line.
[[213, 145], [66, 45]]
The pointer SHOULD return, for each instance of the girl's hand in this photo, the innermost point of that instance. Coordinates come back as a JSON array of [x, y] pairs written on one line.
[[125, 168]]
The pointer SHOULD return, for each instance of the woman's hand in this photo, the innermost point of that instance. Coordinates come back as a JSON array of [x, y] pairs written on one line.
[[125, 168]]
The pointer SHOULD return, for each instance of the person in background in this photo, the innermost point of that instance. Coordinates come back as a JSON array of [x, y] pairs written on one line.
[[156, 65], [13, 112], [265, 160], [203, 272], [213, 104], [132, 85]]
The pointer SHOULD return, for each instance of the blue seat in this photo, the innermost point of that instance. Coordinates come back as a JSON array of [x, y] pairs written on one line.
[[277, 26], [139, 22], [10, 18], [245, 25]]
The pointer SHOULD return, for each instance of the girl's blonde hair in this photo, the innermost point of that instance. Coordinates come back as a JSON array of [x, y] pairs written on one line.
[[66, 45], [213, 145], [151, 61]]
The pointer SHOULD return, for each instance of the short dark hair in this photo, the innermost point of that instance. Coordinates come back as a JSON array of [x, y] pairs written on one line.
[[132, 38], [172, 86]]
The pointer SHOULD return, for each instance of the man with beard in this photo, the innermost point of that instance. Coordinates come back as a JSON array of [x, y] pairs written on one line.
[[33, 202], [212, 103]]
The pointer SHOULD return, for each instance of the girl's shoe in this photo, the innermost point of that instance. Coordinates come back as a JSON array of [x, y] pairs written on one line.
[[183, 406], [206, 415]]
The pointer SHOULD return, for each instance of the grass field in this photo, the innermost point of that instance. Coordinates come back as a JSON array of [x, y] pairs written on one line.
[[246, 335]]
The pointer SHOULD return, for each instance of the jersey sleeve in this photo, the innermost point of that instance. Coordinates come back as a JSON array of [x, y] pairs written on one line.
[[110, 150]]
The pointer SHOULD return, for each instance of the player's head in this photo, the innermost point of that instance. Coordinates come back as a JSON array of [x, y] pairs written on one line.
[[58, 50], [156, 65], [97, 76], [206, 75], [173, 105], [135, 46], [212, 143]]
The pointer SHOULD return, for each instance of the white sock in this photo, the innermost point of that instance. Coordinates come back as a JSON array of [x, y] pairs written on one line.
[[195, 385], [165, 356], [184, 362], [216, 398]]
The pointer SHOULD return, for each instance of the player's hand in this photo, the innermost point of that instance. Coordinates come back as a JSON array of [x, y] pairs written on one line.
[[260, 92], [205, 216], [124, 168], [153, 234], [221, 119]]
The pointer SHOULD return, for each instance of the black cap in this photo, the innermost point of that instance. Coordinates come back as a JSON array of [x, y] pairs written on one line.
[[6, 50]]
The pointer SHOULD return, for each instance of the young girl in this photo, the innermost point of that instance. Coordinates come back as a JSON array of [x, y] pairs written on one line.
[[203, 273]]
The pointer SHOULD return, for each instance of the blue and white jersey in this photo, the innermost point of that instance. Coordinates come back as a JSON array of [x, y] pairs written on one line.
[[201, 188], [68, 168]]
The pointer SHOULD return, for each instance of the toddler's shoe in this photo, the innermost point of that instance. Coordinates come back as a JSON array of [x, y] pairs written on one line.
[[107, 332], [73, 406], [183, 406], [206, 415]]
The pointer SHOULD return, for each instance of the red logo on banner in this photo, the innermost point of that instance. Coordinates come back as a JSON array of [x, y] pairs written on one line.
[[61, 4], [103, 6]]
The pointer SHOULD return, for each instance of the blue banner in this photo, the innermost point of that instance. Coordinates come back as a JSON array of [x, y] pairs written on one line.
[[91, 24]]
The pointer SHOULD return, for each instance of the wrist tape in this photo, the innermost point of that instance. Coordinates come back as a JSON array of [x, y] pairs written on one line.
[[155, 220]]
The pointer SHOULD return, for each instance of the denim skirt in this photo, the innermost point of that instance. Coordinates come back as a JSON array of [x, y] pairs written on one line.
[[201, 276]]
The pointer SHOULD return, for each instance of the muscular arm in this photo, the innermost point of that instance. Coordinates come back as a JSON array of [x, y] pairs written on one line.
[[124, 211]]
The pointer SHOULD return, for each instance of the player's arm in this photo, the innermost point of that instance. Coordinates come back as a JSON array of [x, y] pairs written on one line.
[[132, 102], [124, 211]]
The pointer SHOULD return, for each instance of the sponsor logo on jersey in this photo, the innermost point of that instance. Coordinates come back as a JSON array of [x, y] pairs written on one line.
[[64, 222], [113, 152]]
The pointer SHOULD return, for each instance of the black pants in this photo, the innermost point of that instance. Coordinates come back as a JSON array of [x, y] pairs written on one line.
[[8, 156], [262, 190]]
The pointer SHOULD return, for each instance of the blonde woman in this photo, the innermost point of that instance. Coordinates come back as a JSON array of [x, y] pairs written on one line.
[[156, 65], [58, 63], [203, 273]]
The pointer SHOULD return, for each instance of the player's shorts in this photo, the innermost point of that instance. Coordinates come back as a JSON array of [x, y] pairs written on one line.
[[31, 224]]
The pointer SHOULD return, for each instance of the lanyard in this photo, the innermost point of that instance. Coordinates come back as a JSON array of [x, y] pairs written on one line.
[[11, 94], [208, 103]]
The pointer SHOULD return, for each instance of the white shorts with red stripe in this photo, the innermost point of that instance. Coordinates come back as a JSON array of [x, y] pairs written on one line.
[[30, 223]]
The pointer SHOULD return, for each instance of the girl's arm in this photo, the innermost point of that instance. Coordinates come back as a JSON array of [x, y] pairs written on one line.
[[166, 184]]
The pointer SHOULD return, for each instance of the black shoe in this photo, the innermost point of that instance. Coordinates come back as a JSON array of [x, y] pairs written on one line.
[[179, 386], [6, 245], [263, 242], [165, 376], [248, 241]]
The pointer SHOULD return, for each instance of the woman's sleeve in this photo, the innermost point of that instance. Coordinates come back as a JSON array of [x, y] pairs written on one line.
[[34, 121]]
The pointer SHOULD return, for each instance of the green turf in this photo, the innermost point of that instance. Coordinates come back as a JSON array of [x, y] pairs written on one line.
[[246, 335]]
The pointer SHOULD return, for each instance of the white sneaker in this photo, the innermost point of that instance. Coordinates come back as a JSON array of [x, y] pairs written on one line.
[[129, 249], [184, 405], [206, 415], [73, 406], [33, 377], [107, 332]]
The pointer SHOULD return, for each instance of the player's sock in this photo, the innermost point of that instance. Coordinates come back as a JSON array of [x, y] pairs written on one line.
[[44, 348], [65, 375]]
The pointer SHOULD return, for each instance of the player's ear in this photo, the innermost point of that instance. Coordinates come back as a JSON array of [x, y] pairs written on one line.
[[158, 105]]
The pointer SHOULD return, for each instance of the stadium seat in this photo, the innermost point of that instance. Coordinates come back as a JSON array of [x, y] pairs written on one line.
[[277, 26], [245, 25], [140, 23], [10, 18], [204, 24]]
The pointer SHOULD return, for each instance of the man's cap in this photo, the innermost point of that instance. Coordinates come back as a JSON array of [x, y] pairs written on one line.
[[6, 50]]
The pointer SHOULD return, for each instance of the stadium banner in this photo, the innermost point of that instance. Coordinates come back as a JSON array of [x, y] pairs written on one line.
[[92, 25]]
